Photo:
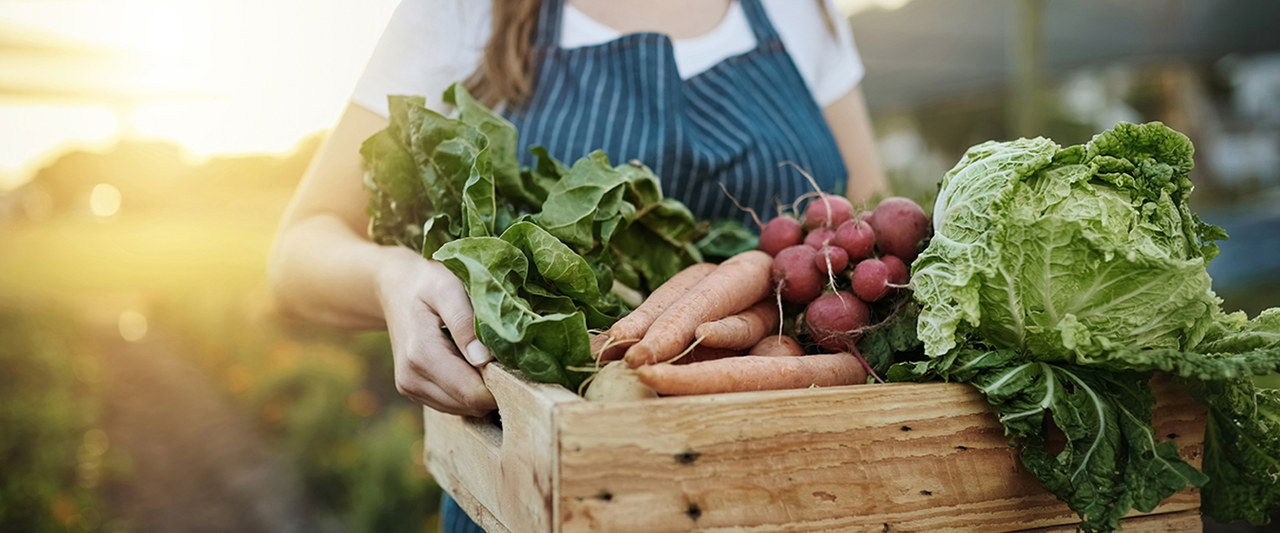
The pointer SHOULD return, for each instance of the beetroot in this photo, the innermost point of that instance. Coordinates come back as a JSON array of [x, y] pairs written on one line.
[[833, 320]]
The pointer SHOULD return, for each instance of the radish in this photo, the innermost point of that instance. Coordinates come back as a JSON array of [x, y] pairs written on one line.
[[827, 211], [779, 233], [898, 274], [833, 320], [870, 279], [819, 237], [831, 260], [900, 226], [795, 276], [856, 237]]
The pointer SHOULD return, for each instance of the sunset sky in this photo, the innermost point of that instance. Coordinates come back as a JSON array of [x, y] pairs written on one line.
[[216, 76]]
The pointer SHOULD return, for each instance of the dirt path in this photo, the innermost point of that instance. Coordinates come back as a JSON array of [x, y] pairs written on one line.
[[196, 463]]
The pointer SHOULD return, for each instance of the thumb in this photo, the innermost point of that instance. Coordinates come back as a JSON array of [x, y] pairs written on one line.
[[450, 302]]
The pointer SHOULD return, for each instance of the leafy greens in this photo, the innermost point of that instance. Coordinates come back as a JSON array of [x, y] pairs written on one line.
[[539, 249], [1057, 281]]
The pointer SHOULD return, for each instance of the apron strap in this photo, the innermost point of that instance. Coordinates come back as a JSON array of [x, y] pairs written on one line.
[[547, 34], [759, 20]]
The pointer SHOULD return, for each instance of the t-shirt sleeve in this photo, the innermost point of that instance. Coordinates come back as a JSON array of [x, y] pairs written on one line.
[[426, 46], [841, 67]]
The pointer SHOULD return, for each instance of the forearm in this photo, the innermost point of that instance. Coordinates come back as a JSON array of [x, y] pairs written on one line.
[[322, 271], [850, 124]]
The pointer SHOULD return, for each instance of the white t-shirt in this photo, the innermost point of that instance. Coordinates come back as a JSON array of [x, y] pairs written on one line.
[[430, 44]]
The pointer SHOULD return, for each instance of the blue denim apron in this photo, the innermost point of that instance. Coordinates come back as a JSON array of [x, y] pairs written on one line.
[[735, 124]]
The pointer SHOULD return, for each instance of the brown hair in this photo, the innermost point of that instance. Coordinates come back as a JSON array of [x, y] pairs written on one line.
[[506, 72]]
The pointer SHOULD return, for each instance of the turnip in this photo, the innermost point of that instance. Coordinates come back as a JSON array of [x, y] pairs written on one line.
[[871, 279], [856, 237], [795, 276], [833, 320], [831, 260], [827, 211], [900, 226], [616, 382], [779, 233], [819, 237]]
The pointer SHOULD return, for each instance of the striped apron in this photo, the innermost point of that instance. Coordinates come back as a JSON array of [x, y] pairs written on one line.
[[735, 124]]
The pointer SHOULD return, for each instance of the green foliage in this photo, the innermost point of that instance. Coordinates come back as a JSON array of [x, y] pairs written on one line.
[[538, 249], [52, 455], [1056, 282]]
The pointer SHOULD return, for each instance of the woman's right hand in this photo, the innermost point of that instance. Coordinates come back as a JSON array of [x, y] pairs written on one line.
[[419, 297]]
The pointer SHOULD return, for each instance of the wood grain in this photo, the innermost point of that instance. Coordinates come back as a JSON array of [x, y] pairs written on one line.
[[896, 457]]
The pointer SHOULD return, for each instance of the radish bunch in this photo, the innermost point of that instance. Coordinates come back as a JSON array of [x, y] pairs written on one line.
[[836, 264]]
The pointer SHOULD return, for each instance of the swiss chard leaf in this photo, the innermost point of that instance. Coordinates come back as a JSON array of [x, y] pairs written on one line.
[[1241, 451]]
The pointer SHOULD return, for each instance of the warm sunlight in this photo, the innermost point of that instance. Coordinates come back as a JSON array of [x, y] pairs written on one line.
[[227, 76]]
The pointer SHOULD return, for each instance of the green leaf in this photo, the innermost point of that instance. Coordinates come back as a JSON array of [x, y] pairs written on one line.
[[591, 192], [493, 272], [1242, 451], [568, 272], [501, 136]]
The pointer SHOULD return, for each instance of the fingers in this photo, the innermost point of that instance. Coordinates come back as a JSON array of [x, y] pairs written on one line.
[[429, 370], [448, 298]]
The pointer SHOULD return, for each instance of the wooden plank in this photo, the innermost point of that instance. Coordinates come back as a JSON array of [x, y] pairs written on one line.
[[1179, 522], [504, 478], [907, 457]]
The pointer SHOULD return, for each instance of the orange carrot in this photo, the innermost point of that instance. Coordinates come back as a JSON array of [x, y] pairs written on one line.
[[629, 329], [736, 284], [742, 330], [777, 345], [753, 373]]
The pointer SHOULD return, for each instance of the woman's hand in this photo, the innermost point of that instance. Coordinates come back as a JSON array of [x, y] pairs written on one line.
[[418, 298]]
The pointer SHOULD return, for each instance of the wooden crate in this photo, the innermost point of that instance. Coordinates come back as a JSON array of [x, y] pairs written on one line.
[[894, 457]]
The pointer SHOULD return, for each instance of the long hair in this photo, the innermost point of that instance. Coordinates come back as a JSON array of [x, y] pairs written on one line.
[[505, 74]]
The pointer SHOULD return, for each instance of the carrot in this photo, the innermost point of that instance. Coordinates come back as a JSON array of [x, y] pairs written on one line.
[[753, 373], [629, 329], [742, 330], [736, 284], [777, 346], [706, 353]]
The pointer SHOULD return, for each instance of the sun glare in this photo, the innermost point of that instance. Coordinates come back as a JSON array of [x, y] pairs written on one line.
[[133, 325], [217, 76]]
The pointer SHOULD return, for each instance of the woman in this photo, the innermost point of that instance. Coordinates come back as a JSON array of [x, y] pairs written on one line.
[[705, 93]]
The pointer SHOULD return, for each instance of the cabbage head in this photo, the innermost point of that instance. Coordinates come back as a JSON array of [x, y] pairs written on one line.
[[1067, 254]]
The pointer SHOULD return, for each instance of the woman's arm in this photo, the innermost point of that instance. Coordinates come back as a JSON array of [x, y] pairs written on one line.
[[850, 123], [323, 268]]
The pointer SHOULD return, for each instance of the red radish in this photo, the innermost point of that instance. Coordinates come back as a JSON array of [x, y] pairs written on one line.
[[827, 211], [780, 233], [831, 260], [857, 238], [834, 319], [900, 225], [898, 274], [819, 237], [796, 279], [870, 279], [777, 345]]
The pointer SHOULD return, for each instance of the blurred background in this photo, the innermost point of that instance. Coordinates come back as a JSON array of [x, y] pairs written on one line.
[[147, 150]]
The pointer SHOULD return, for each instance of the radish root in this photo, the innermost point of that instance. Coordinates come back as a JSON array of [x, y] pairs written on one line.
[[740, 206]]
